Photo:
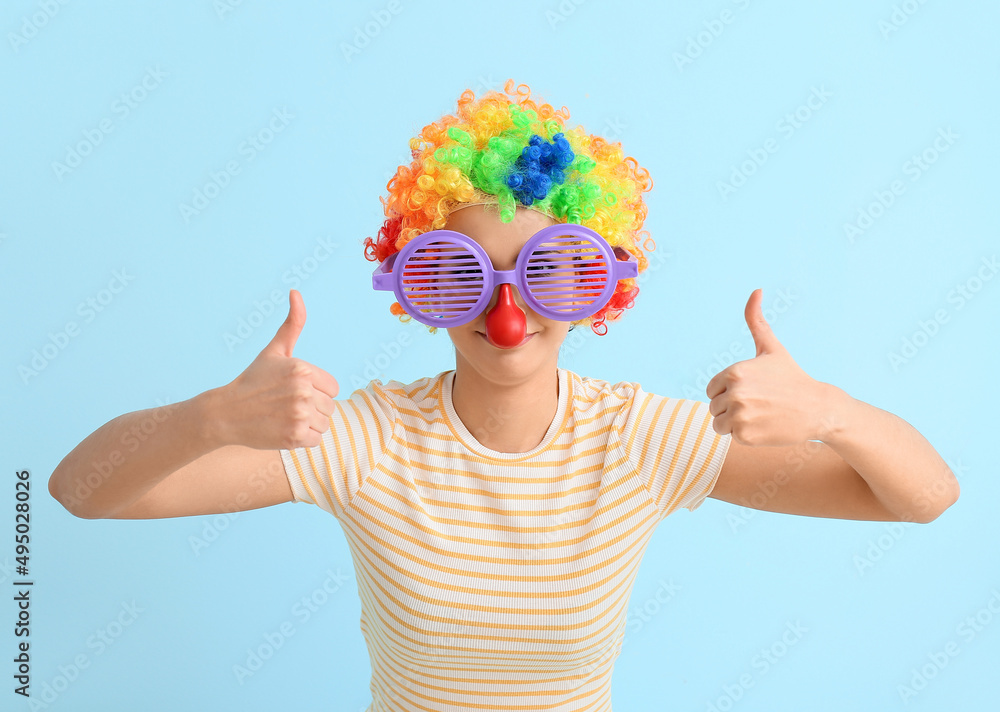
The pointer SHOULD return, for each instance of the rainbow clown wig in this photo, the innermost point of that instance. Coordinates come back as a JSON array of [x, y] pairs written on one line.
[[506, 150]]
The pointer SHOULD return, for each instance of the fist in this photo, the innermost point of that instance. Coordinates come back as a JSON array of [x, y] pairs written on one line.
[[279, 401], [767, 401]]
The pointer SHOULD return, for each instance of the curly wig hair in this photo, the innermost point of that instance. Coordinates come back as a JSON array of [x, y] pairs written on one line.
[[507, 149]]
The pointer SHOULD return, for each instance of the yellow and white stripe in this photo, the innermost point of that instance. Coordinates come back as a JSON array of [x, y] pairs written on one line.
[[500, 581]]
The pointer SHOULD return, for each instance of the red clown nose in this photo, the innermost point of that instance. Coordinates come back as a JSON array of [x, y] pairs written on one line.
[[505, 324]]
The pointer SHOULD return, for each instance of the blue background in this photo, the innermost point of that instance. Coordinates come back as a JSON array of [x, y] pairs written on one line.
[[692, 105]]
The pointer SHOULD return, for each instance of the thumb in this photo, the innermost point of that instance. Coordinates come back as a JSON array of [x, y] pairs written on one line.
[[288, 333], [763, 338]]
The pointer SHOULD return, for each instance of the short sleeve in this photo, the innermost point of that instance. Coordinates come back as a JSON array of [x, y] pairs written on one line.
[[329, 474], [674, 448]]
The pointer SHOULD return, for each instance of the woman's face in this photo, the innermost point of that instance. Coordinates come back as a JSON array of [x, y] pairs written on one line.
[[502, 242]]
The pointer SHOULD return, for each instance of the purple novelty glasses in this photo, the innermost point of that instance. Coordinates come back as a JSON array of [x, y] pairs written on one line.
[[444, 278]]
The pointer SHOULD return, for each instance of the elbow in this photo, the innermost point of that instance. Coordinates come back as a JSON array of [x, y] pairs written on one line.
[[53, 489], [70, 503], [940, 506], [56, 491]]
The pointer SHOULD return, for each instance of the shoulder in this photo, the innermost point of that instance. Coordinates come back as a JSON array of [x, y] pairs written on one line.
[[415, 396], [587, 388], [635, 405], [590, 391]]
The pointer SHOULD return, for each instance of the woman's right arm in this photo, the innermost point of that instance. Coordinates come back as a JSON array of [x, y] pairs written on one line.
[[214, 453], [177, 469]]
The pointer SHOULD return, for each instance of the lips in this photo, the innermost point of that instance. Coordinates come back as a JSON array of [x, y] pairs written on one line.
[[526, 340]]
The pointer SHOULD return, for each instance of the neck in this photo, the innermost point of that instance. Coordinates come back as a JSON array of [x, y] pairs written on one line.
[[510, 415]]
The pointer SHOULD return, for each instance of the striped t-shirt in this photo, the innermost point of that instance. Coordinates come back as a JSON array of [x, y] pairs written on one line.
[[501, 581]]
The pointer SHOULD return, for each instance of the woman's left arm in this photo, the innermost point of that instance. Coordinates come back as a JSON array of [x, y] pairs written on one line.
[[869, 463], [905, 473]]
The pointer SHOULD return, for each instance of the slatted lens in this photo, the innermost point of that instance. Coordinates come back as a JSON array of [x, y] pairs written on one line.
[[442, 280], [567, 273]]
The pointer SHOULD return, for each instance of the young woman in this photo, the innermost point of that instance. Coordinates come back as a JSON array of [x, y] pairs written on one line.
[[497, 512]]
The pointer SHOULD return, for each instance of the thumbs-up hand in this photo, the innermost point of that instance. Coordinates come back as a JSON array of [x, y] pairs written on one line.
[[767, 400], [279, 401]]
